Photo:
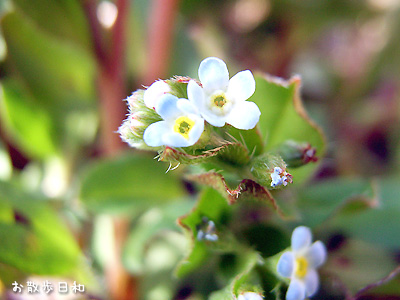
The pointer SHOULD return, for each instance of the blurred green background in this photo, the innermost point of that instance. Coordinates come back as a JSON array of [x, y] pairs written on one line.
[[76, 204]]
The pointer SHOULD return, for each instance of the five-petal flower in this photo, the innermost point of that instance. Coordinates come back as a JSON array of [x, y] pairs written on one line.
[[221, 100], [301, 263], [182, 125]]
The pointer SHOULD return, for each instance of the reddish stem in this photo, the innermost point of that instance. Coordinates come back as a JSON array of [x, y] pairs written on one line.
[[161, 28]]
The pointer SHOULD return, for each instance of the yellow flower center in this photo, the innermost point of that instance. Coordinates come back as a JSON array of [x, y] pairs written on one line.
[[300, 267], [183, 125], [219, 100]]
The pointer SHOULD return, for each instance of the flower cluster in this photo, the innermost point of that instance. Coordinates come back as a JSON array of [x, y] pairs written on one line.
[[300, 264], [216, 99]]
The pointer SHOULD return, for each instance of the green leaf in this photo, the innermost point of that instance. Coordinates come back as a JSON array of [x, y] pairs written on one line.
[[29, 125], [62, 18], [358, 264], [212, 206], [379, 224], [246, 190], [230, 153], [128, 182], [319, 202], [33, 238], [242, 280], [154, 224], [283, 118], [53, 78]]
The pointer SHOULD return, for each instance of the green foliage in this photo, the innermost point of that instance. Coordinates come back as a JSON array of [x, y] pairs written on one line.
[[128, 182], [34, 240]]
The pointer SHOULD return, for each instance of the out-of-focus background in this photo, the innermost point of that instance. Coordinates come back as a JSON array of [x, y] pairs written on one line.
[[67, 65]]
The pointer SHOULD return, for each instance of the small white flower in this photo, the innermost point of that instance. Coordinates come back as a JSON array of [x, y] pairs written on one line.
[[250, 296], [221, 100], [301, 263], [280, 177], [154, 92], [208, 231], [182, 125]]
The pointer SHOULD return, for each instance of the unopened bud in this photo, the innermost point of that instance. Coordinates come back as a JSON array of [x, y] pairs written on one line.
[[270, 170], [296, 154]]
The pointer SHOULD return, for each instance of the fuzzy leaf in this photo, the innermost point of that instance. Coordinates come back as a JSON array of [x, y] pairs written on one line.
[[231, 153], [283, 118], [246, 190]]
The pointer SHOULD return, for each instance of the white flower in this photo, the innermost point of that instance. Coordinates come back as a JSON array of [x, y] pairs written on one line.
[[208, 231], [154, 92], [280, 177], [250, 296], [182, 125], [301, 263], [221, 100]]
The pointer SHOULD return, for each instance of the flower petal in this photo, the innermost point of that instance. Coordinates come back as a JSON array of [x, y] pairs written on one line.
[[286, 264], [250, 296], [213, 74], [296, 290], [241, 86], [244, 115], [153, 135], [197, 130], [215, 120], [316, 254], [167, 108], [195, 94], [154, 92], [301, 238], [174, 139], [186, 106], [311, 282]]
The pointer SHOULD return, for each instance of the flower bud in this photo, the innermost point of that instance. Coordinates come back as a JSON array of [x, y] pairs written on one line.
[[139, 118], [270, 170], [296, 154]]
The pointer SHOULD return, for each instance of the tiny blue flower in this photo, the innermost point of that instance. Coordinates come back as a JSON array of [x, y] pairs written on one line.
[[154, 92], [221, 100], [182, 125], [280, 177], [207, 231], [250, 296], [301, 263]]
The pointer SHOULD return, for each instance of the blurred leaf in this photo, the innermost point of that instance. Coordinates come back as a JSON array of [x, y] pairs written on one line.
[[29, 125], [380, 223], [246, 190], [153, 224], [5, 163], [64, 19], [241, 281], [51, 75], [33, 239], [128, 182], [358, 264], [284, 118], [321, 201]]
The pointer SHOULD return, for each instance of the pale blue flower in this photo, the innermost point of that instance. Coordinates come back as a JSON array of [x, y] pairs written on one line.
[[280, 177], [154, 92], [301, 263], [250, 296], [182, 125], [221, 100]]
